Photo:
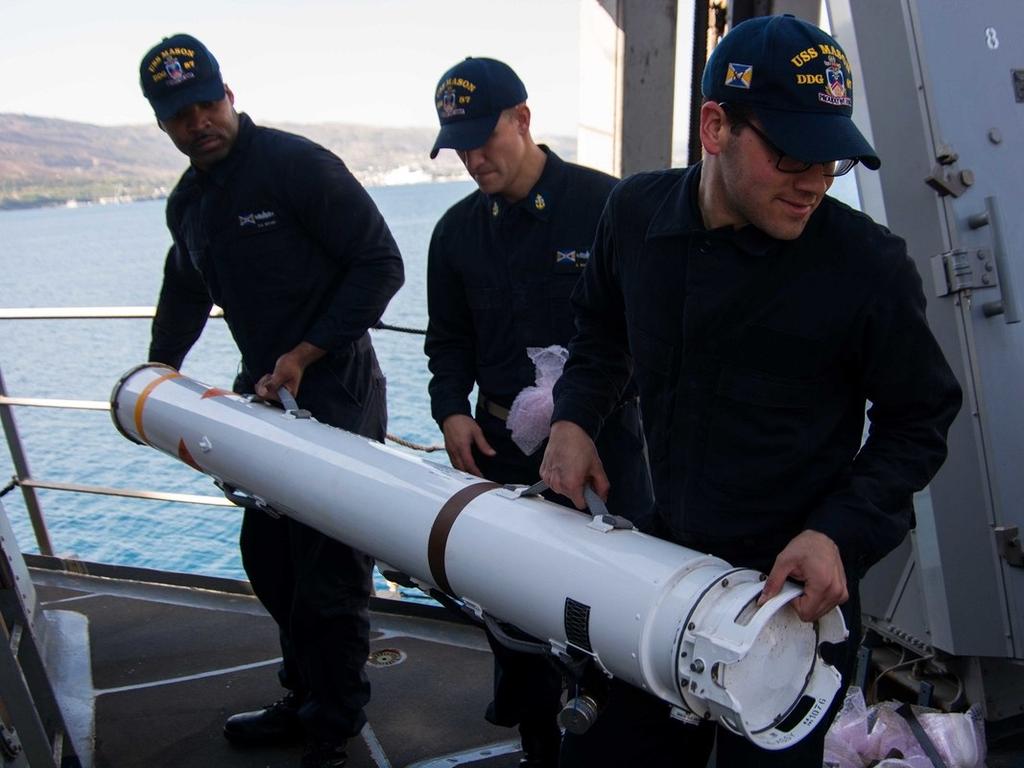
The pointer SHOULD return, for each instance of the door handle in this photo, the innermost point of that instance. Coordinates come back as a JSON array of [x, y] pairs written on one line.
[[1007, 305]]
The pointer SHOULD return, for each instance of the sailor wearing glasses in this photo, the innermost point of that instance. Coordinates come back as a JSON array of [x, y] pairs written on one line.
[[758, 317]]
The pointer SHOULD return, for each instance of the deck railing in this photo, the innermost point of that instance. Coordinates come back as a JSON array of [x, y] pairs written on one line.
[[23, 478], [28, 484]]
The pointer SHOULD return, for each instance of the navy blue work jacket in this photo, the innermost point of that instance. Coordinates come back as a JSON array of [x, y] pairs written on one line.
[[499, 280], [287, 242], [754, 358]]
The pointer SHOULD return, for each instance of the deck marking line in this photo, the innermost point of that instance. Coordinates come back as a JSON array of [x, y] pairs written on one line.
[[470, 755], [373, 744], [48, 603], [437, 542], [141, 401], [188, 678]]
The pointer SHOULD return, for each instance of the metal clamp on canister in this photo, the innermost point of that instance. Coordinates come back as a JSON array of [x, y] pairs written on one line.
[[291, 406]]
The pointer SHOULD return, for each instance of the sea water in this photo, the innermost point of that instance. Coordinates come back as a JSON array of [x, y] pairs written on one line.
[[113, 255]]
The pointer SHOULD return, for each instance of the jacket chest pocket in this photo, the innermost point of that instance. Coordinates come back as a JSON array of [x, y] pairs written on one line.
[[651, 353], [273, 260], [756, 440], [491, 310], [557, 293], [485, 300]]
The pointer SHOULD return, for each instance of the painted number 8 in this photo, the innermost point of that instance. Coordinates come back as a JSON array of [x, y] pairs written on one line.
[[990, 38]]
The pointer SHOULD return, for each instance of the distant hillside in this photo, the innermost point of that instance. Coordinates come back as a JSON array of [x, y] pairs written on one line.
[[45, 161]]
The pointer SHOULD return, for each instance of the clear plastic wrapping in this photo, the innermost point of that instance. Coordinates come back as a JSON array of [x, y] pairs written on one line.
[[882, 736], [529, 418]]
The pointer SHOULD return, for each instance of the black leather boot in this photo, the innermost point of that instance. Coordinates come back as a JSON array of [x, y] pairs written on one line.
[[277, 723], [324, 755]]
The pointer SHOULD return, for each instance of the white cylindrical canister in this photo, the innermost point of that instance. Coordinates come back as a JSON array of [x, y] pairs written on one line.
[[678, 623]]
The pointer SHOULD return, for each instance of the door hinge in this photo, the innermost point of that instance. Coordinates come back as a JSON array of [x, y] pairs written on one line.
[[962, 269]]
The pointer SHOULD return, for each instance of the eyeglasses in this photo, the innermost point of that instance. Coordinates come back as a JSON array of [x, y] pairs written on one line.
[[788, 164]]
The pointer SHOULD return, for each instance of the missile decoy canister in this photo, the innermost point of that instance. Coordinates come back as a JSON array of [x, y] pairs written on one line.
[[679, 624]]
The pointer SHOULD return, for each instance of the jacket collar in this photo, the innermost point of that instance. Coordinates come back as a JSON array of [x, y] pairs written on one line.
[[679, 214], [223, 170], [543, 197]]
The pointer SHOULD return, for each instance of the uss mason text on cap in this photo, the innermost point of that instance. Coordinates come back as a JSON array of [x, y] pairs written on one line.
[[797, 80], [470, 98], [177, 72]]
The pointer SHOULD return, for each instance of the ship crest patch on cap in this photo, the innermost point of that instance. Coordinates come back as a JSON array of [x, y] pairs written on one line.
[[835, 82], [175, 72], [448, 104], [453, 96], [739, 75]]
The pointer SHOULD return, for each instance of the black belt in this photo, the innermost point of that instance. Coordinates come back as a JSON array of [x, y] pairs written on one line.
[[497, 411], [501, 412]]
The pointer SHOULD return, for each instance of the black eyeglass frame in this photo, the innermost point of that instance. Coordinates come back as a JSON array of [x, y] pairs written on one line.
[[840, 168]]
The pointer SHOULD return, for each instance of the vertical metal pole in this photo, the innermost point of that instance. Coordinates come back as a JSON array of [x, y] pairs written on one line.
[[647, 72], [699, 58], [21, 470]]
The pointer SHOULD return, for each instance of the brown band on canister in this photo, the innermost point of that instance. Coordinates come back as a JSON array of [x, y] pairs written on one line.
[[437, 542]]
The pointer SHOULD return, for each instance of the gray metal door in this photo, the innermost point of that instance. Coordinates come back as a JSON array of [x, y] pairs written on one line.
[[943, 92]]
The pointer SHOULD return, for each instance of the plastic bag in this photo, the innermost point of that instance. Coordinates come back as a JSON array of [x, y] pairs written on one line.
[[881, 736], [845, 739], [959, 736], [529, 418]]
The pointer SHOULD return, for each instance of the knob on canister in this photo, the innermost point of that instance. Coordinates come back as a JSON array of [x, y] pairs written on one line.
[[578, 714]]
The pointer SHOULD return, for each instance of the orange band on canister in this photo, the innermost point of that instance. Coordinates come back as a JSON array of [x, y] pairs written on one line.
[[141, 401]]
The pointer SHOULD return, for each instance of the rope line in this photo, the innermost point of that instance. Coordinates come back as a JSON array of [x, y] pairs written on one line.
[[414, 446], [381, 326]]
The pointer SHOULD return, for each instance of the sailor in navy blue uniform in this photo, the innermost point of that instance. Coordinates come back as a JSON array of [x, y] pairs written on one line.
[[758, 317], [502, 265], [275, 230]]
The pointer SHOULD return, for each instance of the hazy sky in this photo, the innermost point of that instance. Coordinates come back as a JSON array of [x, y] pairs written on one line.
[[359, 61]]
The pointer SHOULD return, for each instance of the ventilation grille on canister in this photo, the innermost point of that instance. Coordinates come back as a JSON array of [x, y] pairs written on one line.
[[577, 624]]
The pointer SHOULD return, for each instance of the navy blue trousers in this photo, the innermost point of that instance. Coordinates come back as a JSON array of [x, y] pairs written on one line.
[[316, 588]]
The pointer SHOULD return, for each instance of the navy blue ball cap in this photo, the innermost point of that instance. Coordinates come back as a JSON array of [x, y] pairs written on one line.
[[179, 71], [470, 98], [797, 80]]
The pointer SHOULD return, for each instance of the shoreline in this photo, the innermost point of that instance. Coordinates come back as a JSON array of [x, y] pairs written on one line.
[[399, 177]]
